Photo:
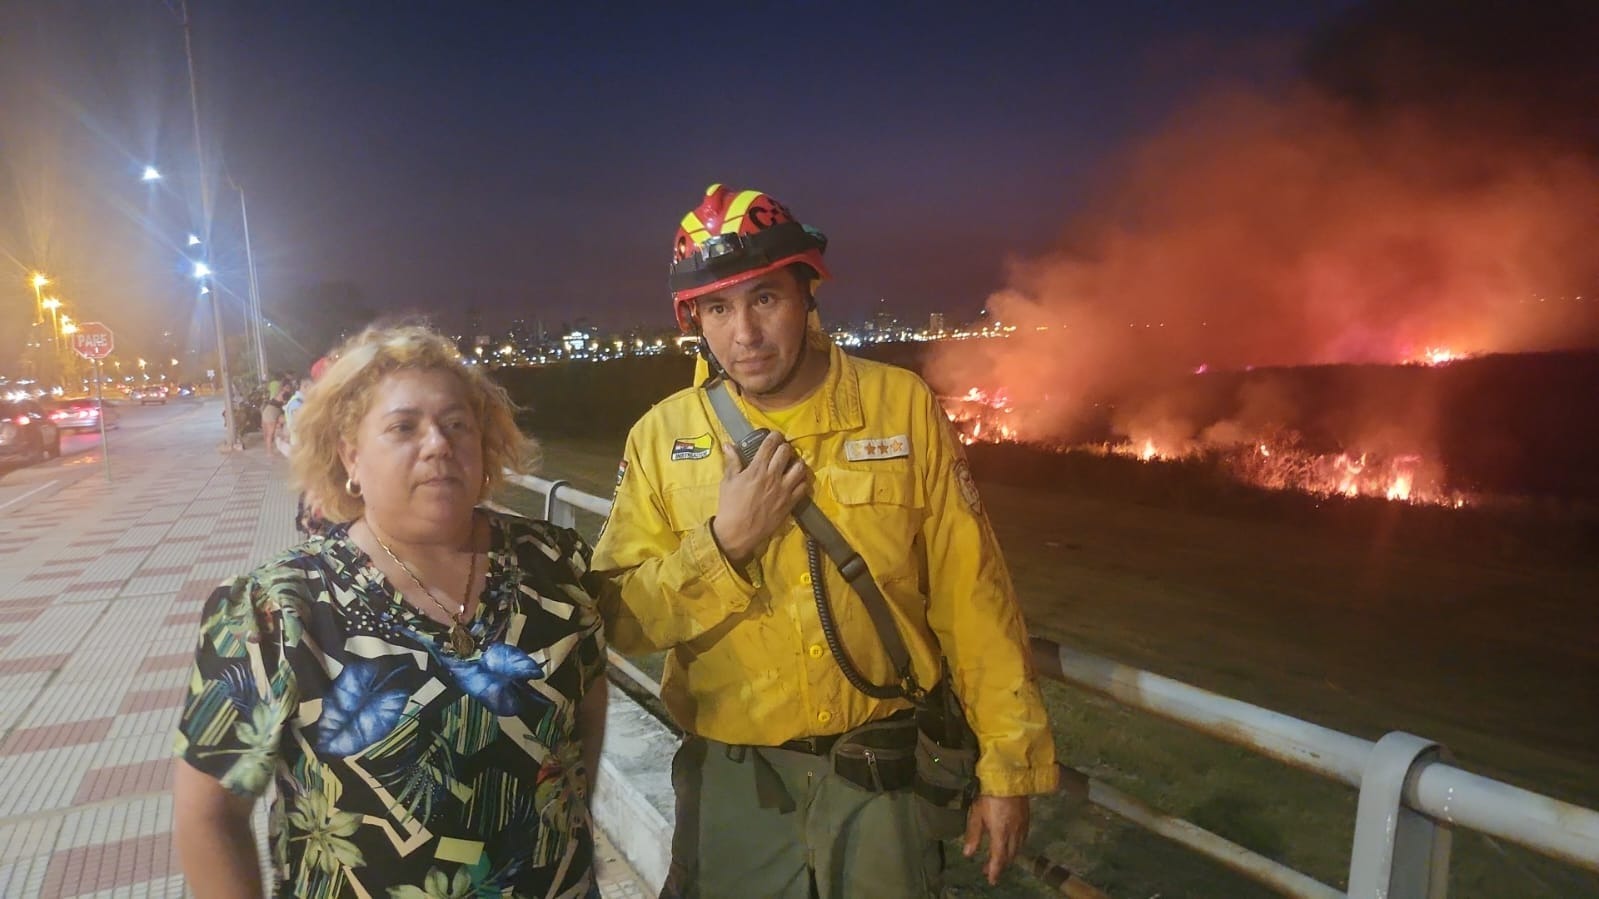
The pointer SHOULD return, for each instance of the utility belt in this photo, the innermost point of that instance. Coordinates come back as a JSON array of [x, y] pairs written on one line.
[[879, 756]]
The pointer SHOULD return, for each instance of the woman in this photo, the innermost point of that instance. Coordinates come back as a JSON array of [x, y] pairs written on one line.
[[424, 684], [271, 418]]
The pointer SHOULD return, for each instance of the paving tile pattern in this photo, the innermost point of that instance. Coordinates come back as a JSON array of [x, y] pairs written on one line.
[[101, 587]]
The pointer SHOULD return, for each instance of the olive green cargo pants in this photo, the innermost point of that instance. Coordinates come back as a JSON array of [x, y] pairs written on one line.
[[759, 823]]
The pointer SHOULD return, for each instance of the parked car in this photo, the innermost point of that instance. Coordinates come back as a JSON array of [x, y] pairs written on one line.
[[154, 393], [26, 432], [81, 414]]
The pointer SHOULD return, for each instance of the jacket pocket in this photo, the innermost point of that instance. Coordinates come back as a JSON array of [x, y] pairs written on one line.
[[690, 506], [851, 487], [877, 513]]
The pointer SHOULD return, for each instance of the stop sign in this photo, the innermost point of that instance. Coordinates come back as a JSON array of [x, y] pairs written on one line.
[[93, 341]]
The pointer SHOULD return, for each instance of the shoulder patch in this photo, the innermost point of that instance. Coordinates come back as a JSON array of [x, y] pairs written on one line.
[[688, 448]]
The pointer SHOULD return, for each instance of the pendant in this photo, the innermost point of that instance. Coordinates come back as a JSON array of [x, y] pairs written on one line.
[[461, 642]]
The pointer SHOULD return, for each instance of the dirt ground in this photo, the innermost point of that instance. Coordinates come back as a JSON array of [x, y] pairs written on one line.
[[1361, 623]]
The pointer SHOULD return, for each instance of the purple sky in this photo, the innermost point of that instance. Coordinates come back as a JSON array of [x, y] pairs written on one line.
[[532, 160]]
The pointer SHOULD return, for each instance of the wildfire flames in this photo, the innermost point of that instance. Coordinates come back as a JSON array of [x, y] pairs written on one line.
[[1276, 461], [1438, 355]]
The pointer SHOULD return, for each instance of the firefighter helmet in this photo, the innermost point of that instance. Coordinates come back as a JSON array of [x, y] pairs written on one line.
[[733, 236]]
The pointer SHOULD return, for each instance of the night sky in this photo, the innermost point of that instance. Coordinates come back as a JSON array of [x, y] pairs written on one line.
[[532, 160]]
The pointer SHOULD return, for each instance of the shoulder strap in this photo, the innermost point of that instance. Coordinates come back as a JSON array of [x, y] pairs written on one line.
[[820, 528]]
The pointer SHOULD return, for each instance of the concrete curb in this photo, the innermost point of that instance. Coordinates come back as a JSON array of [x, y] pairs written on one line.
[[633, 800]]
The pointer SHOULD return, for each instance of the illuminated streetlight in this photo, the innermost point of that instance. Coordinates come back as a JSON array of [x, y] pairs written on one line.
[[194, 241], [201, 270], [53, 304], [38, 281], [150, 174], [68, 328]]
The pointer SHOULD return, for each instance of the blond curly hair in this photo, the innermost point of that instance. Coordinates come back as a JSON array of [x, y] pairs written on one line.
[[341, 397]]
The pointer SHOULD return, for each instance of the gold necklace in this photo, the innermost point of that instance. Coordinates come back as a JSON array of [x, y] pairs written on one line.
[[461, 642]]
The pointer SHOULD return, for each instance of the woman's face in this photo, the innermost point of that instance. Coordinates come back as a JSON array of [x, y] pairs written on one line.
[[417, 455]]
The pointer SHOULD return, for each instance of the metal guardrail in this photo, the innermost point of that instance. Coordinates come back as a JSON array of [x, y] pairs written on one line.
[[1410, 797]]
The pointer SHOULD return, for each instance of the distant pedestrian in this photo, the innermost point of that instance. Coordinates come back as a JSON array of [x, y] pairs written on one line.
[[425, 685], [272, 419]]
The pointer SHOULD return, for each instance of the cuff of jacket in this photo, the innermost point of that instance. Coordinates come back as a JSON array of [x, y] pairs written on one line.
[[725, 581], [998, 780]]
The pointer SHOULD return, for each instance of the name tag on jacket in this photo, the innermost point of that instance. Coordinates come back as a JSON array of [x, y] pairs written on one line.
[[896, 447]]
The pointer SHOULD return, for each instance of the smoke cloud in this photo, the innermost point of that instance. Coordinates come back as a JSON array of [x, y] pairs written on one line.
[[1414, 192]]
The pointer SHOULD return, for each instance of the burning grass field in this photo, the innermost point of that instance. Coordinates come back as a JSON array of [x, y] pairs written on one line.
[[1472, 627]]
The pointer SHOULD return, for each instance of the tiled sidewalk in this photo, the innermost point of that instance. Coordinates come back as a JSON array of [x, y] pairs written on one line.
[[100, 592]]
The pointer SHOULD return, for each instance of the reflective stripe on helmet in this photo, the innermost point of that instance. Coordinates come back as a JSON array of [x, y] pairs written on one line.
[[736, 210]]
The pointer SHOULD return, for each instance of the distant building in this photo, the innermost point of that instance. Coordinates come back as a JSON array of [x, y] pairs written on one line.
[[935, 324], [575, 342]]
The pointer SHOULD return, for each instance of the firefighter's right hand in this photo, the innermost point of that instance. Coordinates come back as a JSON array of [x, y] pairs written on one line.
[[753, 501]]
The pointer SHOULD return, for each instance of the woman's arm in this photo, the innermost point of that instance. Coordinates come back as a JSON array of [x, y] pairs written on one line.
[[211, 828], [591, 730]]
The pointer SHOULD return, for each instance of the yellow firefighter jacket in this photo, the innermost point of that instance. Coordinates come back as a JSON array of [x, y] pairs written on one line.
[[747, 660]]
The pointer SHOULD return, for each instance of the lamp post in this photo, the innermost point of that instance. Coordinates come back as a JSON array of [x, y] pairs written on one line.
[[38, 281], [255, 290], [201, 270], [54, 305]]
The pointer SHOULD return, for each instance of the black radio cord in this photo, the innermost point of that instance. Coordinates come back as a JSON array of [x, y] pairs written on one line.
[[824, 614]]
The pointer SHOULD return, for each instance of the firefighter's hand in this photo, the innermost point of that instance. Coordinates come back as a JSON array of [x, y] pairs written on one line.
[[1004, 819], [754, 501]]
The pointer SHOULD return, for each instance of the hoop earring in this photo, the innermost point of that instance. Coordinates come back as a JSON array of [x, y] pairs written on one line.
[[352, 488]]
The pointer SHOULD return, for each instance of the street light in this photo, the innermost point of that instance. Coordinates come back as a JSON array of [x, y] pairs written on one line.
[[53, 304], [150, 174], [254, 326], [201, 270], [38, 281], [194, 241]]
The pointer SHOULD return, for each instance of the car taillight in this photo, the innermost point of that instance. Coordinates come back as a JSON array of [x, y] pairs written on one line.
[[22, 419]]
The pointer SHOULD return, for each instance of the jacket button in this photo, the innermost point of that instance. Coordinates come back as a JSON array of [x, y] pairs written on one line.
[[817, 650], [805, 578], [824, 716]]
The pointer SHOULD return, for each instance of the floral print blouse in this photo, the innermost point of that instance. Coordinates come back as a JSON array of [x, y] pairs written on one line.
[[402, 770]]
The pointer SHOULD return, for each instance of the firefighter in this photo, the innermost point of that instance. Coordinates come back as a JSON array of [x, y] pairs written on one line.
[[712, 570]]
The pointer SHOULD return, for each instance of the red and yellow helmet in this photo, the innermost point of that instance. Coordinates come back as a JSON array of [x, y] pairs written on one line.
[[733, 236]]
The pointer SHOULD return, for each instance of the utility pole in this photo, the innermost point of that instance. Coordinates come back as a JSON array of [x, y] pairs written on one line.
[[230, 414], [255, 289]]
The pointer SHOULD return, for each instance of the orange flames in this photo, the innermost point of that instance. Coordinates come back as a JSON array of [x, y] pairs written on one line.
[[981, 416], [1278, 461], [1438, 355]]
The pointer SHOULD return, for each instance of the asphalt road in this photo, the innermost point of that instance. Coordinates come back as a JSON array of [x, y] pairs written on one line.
[[82, 454]]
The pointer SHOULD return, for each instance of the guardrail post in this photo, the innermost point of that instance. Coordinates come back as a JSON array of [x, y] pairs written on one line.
[[1399, 853], [556, 511]]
